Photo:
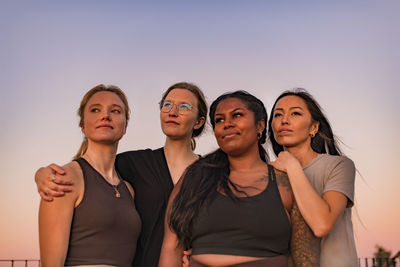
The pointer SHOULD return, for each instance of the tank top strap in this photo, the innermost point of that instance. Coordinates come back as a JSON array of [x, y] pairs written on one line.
[[85, 165]]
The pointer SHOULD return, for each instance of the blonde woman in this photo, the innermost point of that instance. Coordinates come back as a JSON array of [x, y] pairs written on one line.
[[97, 223]]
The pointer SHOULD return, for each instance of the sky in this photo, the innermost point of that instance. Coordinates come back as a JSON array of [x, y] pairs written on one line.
[[345, 53]]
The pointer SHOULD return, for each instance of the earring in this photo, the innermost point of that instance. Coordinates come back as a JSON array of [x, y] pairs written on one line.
[[259, 136], [312, 135]]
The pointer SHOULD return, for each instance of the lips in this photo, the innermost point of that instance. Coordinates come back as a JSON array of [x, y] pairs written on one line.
[[230, 135], [284, 131], [172, 122], [107, 126]]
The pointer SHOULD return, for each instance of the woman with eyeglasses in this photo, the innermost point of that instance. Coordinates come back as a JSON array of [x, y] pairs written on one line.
[[152, 173]]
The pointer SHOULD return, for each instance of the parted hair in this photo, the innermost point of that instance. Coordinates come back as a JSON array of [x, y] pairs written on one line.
[[324, 140], [201, 105]]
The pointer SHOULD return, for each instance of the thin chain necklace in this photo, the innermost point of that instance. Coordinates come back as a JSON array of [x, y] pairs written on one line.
[[117, 194]]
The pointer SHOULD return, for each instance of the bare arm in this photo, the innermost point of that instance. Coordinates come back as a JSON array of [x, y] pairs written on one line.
[[320, 213], [304, 245], [54, 225], [171, 251], [52, 182]]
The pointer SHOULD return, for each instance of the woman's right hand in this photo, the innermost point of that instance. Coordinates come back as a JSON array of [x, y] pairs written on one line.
[[51, 183]]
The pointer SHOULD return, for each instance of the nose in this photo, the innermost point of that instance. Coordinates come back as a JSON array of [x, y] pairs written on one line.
[[228, 123], [174, 110], [105, 116], [285, 119]]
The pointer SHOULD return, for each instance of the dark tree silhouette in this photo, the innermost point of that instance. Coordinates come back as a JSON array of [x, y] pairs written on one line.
[[383, 258]]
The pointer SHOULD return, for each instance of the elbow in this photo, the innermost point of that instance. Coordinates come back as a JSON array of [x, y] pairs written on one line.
[[322, 230]]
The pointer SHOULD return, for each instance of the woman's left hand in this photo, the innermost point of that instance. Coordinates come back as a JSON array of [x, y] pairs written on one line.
[[284, 161]]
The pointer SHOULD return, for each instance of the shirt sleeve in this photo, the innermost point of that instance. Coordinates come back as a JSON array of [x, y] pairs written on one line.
[[341, 179]]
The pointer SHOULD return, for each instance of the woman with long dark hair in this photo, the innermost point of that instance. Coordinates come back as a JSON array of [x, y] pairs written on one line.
[[152, 173], [231, 208], [322, 179]]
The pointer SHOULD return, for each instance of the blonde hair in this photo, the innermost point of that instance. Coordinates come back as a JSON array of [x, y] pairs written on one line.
[[99, 88]]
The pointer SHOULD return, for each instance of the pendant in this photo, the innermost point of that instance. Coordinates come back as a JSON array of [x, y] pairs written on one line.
[[117, 194]]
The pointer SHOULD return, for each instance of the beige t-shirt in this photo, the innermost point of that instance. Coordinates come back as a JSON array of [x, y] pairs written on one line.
[[335, 173]]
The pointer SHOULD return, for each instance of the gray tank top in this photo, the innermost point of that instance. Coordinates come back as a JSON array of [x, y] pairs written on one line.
[[104, 227]]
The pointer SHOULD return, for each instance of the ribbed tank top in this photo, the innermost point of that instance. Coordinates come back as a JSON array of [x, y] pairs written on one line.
[[104, 228], [254, 226]]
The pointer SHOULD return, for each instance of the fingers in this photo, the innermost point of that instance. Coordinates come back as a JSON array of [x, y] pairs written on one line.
[[186, 257], [59, 180], [54, 191], [54, 186], [57, 169], [188, 252], [272, 163], [45, 197], [57, 186]]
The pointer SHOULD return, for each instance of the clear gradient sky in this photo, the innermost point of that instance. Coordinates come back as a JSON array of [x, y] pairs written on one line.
[[346, 53]]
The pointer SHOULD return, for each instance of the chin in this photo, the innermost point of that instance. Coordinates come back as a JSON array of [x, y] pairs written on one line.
[[174, 134]]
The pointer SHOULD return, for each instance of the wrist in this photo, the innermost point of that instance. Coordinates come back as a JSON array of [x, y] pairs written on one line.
[[293, 168]]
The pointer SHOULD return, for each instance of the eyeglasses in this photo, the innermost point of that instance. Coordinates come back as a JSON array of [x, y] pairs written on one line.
[[183, 107]]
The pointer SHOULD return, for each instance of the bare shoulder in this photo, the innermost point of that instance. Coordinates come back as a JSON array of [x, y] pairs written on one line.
[[73, 171], [70, 199], [130, 188]]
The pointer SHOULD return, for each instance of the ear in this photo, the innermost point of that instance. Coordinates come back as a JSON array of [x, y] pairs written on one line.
[[314, 128], [200, 122], [83, 130], [126, 126], [260, 126]]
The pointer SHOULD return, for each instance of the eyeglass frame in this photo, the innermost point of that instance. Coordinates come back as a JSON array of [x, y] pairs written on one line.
[[161, 105]]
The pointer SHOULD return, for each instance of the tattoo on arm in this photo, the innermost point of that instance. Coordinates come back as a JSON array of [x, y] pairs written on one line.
[[282, 180], [304, 245]]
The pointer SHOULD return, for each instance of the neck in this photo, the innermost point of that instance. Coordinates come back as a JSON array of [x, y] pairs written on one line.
[[304, 153], [248, 162], [102, 158], [178, 150]]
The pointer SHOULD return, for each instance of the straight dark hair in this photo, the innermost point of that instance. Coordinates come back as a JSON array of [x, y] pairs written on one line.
[[210, 174], [324, 140]]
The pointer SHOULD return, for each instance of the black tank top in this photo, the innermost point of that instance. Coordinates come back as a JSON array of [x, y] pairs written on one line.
[[254, 226], [104, 228]]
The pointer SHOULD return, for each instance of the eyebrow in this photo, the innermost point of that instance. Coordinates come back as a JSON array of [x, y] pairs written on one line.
[[289, 108], [236, 109], [181, 102], [98, 104]]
